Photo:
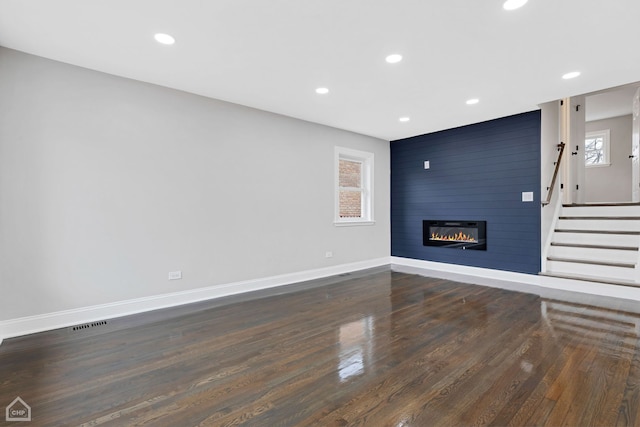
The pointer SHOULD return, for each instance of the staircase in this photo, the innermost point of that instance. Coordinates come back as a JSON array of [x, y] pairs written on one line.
[[597, 243]]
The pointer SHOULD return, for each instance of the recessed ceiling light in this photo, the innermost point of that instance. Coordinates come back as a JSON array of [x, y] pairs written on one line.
[[322, 91], [164, 38], [472, 101], [513, 4], [404, 119], [571, 75], [394, 58]]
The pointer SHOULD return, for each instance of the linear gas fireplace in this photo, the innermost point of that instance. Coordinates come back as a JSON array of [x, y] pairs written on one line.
[[455, 234]]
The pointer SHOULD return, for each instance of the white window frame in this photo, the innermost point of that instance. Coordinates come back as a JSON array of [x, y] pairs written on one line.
[[366, 159], [606, 151]]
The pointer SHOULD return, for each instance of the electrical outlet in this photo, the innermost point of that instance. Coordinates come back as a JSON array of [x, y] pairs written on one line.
[[328, 254], [175, 275]]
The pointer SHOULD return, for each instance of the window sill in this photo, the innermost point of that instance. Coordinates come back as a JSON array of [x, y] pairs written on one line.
[[352, 223], [600, 165]]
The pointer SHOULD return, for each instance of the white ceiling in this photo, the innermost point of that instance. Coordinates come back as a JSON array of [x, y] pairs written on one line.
[[611, 103], [272, 54]]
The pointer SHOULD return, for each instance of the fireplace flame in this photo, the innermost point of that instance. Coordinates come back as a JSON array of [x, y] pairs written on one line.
[[456, 237]]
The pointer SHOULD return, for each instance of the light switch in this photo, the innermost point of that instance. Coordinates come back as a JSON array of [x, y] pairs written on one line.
[[426, 164], [527, 196]]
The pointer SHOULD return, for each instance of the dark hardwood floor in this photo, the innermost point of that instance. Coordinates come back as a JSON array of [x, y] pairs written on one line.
[[383, 349]]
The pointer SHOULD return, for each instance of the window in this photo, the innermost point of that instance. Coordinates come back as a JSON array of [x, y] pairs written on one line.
[[596, 148], [354, 187]]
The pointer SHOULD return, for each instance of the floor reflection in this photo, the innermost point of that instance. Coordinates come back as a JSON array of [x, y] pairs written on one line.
[[356, 344], [574, 324]]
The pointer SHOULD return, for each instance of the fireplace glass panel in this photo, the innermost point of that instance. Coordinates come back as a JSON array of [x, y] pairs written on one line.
[[455, 234]]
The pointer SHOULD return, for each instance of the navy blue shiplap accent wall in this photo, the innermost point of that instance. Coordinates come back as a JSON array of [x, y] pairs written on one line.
[[477, 172]]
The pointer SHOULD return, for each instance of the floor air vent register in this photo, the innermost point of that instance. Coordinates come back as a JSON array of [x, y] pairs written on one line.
[[89, 325]]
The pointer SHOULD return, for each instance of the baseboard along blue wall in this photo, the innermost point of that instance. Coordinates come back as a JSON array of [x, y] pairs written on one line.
[[476, 172]]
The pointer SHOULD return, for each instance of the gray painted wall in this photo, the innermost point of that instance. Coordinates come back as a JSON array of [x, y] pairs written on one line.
[[611, 183], [107, 184]]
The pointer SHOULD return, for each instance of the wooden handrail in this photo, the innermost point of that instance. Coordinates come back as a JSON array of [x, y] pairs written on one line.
[[555, 175]]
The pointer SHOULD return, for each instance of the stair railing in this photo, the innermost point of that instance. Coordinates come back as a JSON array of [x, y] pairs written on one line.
[[555, 175]]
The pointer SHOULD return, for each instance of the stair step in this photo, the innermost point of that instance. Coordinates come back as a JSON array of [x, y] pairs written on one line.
[[596, 239], [633, 233], [601, 253], [629, 210], [590, 205], [591, 279], [604, 218], [557, 265], [592, 262], [606, 247], [599, 225]]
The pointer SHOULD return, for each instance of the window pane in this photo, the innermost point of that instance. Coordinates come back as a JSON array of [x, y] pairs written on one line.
[[350, 174], [594, 151], [594, 143], [350, 204]]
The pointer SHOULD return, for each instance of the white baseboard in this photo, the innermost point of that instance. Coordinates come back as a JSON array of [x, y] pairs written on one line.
[[61, 319], [474, 275], [541, 285]]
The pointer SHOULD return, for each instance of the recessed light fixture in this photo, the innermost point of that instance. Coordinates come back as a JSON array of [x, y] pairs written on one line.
[[394, 58], [322, 91], [404, 119], [164, 38], [472, 101], [571, 75], [513, 4]]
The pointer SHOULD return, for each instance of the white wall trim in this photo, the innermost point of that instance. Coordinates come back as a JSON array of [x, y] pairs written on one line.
[[541, 285], [61, 319], [474, 275]]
